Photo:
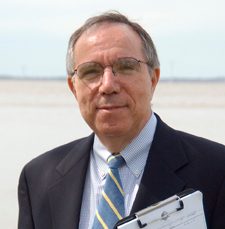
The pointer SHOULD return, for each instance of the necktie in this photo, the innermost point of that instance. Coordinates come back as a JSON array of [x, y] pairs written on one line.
[[111, 205]]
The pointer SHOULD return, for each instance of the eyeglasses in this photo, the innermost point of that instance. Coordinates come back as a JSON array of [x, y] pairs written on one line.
[[91, 72]]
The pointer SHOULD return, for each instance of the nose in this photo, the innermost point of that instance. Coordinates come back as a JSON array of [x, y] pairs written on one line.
[[109, 82]]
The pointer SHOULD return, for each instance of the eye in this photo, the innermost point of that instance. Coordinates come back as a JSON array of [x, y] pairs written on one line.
[[126, 66], [89, 71]]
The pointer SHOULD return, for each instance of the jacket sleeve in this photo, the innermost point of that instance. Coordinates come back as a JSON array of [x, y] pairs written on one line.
[[25, 220], [218, 221]]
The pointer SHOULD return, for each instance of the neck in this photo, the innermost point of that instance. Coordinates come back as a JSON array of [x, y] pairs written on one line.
[[113, 144]]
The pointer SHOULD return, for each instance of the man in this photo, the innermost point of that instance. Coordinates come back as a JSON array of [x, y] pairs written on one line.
[[113, 70]]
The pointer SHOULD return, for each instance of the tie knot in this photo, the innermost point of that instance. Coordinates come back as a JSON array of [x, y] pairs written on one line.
[[115, 161]]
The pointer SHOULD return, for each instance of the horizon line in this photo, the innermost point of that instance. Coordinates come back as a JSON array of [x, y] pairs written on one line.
[[162, 78]]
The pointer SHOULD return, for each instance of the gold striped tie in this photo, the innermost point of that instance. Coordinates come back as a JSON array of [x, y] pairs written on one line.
[[111, 206]]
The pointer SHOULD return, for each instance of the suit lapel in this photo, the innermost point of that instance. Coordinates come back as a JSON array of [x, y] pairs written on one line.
[[160, 179], [65, 195]]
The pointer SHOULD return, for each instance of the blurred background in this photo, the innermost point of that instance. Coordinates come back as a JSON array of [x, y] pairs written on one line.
[[37, 110], [189, 35]]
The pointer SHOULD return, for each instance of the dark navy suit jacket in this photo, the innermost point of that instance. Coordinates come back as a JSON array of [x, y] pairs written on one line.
[[51, 186]]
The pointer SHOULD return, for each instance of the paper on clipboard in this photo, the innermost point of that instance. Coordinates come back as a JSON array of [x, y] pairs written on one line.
[[177, 212]]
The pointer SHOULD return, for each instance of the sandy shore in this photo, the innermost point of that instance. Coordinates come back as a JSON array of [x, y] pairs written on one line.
[[36, 116]]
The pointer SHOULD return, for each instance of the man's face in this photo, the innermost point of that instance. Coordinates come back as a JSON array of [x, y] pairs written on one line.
[[118, 107]]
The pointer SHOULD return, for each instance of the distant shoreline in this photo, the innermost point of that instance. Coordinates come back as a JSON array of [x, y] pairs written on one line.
[[167, 79]]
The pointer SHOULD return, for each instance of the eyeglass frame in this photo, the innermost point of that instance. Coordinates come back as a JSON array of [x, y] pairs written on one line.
[[105, 66]]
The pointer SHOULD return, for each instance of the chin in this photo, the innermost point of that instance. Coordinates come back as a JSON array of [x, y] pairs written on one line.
[[112, 131]]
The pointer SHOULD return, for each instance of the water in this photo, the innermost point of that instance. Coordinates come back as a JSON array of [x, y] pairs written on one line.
[[36, 116]]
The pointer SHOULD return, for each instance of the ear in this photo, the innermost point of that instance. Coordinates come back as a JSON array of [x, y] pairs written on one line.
[[155, 77], [71, 82]]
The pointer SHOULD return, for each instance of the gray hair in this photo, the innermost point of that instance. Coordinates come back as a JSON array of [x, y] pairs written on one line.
[[112, 17]]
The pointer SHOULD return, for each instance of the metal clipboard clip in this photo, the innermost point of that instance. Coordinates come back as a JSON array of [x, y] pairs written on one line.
[[164, 214], [178, 209]]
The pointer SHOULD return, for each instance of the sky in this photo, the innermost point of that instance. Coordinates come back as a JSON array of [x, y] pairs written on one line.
[[189, 35]]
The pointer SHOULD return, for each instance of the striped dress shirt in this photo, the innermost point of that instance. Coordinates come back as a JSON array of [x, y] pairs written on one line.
[[135, 155]]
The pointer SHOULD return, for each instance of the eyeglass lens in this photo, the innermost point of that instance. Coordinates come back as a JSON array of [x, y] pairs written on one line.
[[91, 72]]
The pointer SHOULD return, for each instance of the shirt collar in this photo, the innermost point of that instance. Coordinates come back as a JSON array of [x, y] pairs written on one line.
[[135, 154]]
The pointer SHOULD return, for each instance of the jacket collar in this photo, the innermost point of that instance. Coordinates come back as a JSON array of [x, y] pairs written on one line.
[[68, 187], [160, 179]]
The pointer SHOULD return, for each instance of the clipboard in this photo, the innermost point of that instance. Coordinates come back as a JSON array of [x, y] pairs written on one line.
[[181, 211]]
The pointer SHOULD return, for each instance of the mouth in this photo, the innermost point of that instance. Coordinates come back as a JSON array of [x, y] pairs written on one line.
[[110, 107]]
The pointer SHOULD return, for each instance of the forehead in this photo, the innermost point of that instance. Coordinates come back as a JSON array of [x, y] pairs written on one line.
[[108, 38], [103, 26]]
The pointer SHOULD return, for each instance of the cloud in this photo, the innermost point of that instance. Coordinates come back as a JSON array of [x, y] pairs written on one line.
[[178, 27]]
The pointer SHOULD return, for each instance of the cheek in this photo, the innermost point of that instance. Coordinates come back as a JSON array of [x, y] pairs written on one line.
[[148, 88], [141, 93], [141, 96], [82, 96], [86, 105]]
